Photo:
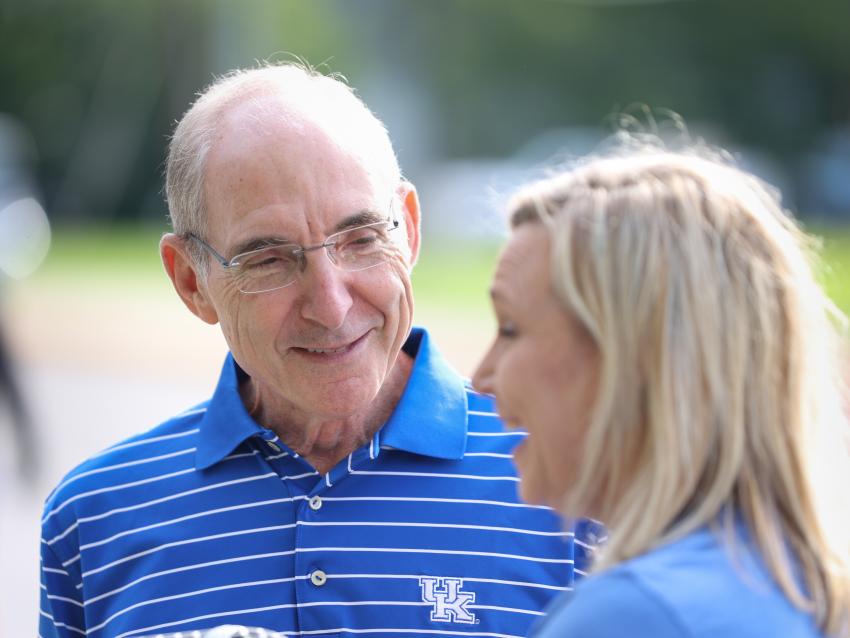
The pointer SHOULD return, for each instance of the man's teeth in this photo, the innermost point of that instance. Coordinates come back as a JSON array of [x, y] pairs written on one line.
[[327, 350]]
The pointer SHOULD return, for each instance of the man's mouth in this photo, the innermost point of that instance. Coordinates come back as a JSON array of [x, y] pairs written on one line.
[[328, 350], [332, 351]]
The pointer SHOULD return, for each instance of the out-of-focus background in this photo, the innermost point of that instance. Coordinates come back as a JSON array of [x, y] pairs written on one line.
[[478, 96]]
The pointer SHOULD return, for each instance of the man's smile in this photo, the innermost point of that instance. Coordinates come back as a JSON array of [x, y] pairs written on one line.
[[331, 353]]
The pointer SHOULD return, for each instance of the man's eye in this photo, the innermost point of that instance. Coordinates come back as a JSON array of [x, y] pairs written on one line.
[[363, 241], [266, 260], [262, 263]]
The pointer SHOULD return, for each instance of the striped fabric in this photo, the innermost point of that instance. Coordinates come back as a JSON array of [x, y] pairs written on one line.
[[208, 519]]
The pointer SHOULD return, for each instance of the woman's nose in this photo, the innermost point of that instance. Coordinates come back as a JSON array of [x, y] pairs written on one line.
[[482, 378]]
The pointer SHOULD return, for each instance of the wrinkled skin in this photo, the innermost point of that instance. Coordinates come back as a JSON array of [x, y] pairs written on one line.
[[289, 179]]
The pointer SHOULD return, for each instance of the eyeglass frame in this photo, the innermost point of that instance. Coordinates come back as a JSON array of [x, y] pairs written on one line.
[[301, 251]]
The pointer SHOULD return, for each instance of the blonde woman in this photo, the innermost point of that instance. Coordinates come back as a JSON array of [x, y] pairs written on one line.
[[663, 340]]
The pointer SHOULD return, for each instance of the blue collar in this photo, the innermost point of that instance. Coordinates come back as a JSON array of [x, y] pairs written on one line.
[[430, 418]]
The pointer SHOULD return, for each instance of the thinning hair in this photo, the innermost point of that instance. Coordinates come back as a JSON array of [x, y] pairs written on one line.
[[327, 99], [719, 372]]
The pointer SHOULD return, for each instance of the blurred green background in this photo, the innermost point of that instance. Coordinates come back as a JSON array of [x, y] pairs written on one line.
[[478, 95]]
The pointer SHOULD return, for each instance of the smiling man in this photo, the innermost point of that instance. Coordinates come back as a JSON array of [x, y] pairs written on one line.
[[342, 479]]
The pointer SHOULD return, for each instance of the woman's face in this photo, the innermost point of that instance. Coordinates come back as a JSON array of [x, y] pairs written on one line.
[[542, 368]]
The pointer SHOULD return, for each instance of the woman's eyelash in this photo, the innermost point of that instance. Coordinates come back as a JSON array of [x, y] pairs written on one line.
[[507, 330]]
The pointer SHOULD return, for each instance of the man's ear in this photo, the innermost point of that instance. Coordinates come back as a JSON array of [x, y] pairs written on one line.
[[183, 274], [410, 206]]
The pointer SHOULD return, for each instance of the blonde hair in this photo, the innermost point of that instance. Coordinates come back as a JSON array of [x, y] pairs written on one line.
[[326, 98], [718, 362]]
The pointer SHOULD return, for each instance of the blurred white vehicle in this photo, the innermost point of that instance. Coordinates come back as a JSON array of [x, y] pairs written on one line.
[[467, 197]]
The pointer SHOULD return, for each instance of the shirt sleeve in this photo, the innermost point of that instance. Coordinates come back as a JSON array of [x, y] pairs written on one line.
[[61, 613], [612, 605]]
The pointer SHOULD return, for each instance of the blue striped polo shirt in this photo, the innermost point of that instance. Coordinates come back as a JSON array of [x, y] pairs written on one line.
[[209, 519]]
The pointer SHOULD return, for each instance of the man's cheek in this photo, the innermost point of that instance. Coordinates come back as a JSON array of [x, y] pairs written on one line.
[[401, 268]]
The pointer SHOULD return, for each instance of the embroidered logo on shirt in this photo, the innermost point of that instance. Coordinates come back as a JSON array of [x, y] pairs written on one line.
[[448, 599]]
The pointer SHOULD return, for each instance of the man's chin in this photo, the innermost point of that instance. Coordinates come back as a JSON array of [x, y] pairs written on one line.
[[340, 399]]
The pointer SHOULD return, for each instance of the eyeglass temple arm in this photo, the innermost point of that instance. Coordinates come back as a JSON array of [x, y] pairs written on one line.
[[226, 264], [212, 251]]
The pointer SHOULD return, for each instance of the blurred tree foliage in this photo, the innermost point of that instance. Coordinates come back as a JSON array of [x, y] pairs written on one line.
[[773, 73], [99, 83]]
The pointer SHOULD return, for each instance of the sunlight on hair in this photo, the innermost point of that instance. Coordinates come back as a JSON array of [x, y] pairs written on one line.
[[719, 386]]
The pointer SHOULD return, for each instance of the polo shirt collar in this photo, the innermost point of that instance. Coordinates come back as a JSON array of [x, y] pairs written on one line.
[[430, 419], [226, 423]]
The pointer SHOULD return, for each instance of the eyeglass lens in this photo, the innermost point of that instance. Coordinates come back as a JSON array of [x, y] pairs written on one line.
[[278, 266]]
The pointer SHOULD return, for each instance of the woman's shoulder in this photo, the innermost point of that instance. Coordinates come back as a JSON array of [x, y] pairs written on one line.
[[611, 605], [694, 587]]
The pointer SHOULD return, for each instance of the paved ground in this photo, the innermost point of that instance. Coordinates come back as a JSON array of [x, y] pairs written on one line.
[[84, 356]]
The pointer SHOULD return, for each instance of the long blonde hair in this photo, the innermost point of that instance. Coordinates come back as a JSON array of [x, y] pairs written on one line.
[[718, 367]]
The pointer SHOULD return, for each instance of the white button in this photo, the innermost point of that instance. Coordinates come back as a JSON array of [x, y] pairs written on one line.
[[318, 578], [274, 446], [316, 503]]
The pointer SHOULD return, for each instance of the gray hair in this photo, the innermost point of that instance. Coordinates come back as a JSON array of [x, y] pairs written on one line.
[[327, 97], [718, 363]]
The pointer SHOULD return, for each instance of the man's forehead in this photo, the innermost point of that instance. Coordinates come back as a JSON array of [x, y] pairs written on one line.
[[263, 117], [271, 130], [253, 142], [273, 169], [273, 116]]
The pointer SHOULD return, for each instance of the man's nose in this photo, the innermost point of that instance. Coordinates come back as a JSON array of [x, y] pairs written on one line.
[[326, 298]]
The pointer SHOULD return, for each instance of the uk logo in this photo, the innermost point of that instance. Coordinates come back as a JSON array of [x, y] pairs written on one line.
[[448, 599]]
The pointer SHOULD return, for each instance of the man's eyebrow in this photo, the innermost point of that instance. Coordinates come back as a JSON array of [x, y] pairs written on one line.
[[359, 219]]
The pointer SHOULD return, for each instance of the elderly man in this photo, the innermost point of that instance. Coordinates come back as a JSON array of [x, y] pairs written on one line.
[[342, 478]]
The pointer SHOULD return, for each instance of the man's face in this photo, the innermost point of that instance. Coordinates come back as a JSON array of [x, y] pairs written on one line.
[[324, 345]]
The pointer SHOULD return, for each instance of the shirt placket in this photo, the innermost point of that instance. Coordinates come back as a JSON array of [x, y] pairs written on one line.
[[287, 464], [319, 567]]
